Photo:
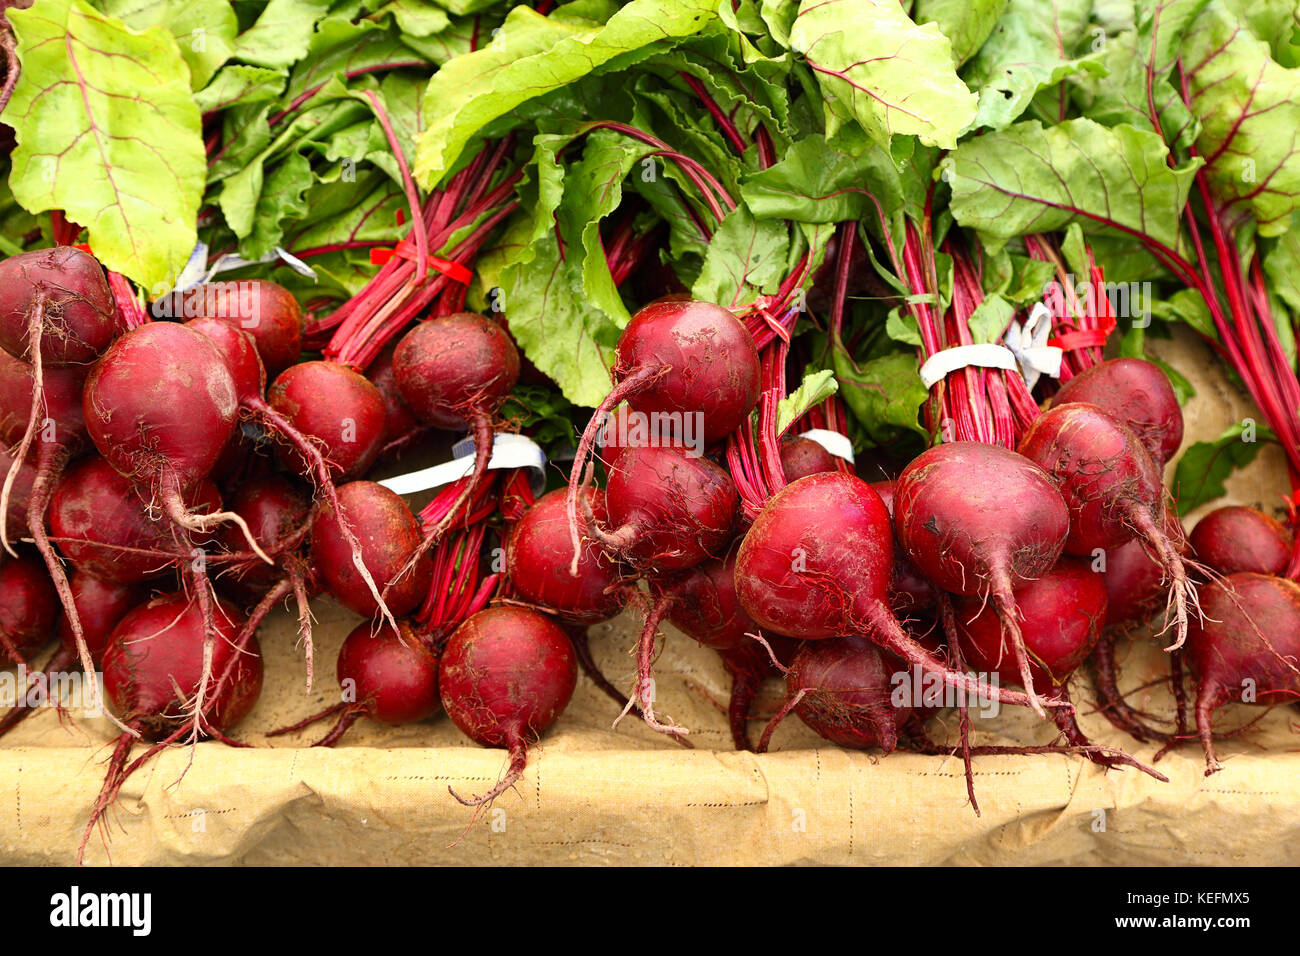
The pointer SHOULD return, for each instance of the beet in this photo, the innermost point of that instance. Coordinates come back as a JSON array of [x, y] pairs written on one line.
[[28, 606], [15, 514], [817, 563], [667, 509], [454, 372], [705, 604], [336, 407], [702, 360], [103, 526], [268, 312], [506, 675], [909, 590], [100, 605], [390, 676], [389, 534], [1139, 395], [1113, 489], [277, 512], [156, 653], [1236, 539], [77, 318], [1062, 613], [843, 689], [242, 360], [537, 563], [240, 355], [801, 457], [676, 358], [702, 603], [161, 407], [176, 666], [978, 519], [401, 426], [1245, 648]]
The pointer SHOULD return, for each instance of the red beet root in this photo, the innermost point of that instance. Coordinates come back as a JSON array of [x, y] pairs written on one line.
[[537, 563], [1113, 489], [389, 676], [506, 675], [1245, 648], [104, 528], [708, 358], [100, 605], [336, 407], [401, 426], [154, 667], [843, 689], [677, 358], [454, 372], [801, 457], [1138, 394], [1236, 539], [77, 318], [667, 510], [161, 407], [1062, 616], [977, 519], [266, 311], [28, 606], [817, 562], [388, 534], [909, 590], [454, 369]]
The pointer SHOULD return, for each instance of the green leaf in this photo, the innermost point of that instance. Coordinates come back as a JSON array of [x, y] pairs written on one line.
[[240, 84], [1206, 465], [820, 181], [884, 394], [1249, 109], [1138, 65], [1030, 50], [902, 327], [989, 321], [281, 35], [282, 198], [531, 55], [966, 23], [1030, 179], [746, 258], [1282, 266], [879, 68], [779, 15], [204, 29], [570, 343], [816, 387], [108, 131], [543, 415], [418, 18]]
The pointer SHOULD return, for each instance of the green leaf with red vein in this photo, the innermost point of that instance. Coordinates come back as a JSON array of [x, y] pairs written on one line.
[[1249, 109], [1029, 179], [879, 68], [531, 55], [108, 131]]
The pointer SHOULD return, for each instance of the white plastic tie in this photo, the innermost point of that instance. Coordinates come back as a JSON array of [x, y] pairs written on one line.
[[1026, 351], [835, 443], [508, 451]]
